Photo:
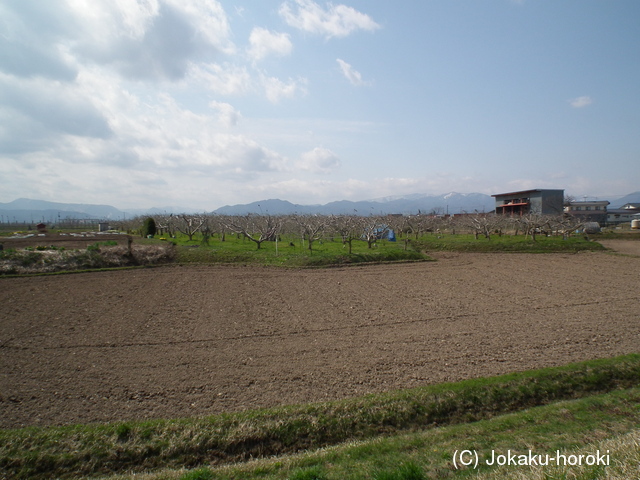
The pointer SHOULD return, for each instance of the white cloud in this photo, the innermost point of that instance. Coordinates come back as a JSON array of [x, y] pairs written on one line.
[[351, 73], [334, 21], [148, 39], [41, 111], [275, 89], [319, 160], [227, 115], [102, 134], [225, 79], [581, 102], [209, 20], [263, 43], [143, 39], [31, 42]]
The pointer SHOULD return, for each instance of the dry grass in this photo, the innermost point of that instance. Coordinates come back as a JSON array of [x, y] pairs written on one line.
[[23, 262], [624, 464]]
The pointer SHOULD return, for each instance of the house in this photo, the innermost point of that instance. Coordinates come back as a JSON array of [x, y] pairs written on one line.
[[625, 214], [631, 206], [594, 211], [617, 216], [546, 202]]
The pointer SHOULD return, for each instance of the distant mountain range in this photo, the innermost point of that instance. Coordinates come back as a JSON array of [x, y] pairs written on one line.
[[33, 211], [442, 204]]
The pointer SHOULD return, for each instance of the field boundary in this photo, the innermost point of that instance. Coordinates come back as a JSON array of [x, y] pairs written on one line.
[[141, 446]]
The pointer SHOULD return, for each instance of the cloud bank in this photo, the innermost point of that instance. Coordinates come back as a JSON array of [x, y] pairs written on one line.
[[96, 93]]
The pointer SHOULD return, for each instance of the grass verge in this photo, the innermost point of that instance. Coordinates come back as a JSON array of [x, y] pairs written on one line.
[[139, 446], [323, 255], [507, 244], [609, 423]]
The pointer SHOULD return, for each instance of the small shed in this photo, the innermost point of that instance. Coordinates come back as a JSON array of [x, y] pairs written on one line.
[[41, 227], [103, 226]]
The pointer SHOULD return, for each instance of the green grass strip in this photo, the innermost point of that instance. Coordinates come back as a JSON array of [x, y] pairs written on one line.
[[605, 422], [321, 258], [507, 244], [137, 446], [333, 252]]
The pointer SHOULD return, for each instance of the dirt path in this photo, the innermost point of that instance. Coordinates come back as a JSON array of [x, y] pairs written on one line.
[[183, 341], [627, 247]]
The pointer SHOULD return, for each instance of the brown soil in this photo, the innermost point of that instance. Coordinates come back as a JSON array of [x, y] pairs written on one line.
[[185, 341], [626, 247]]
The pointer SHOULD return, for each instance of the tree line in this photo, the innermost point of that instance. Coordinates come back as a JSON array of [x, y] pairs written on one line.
[[260, 228]]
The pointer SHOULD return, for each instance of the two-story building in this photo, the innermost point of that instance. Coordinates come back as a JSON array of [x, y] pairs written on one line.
[[589, 211], [541, 201]]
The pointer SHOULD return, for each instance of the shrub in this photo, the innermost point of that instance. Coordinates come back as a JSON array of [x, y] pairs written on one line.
[[149, 227]]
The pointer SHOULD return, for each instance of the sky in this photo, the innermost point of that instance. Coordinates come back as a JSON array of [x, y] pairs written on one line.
[[204, 103]]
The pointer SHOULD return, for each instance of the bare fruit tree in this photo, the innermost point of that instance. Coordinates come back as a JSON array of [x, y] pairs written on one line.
[[349, 227], [483, 223], [534, 224], [218, 224], [165, 223], [257, 228], [312, 227], [373, 229], [566, 225], [188, 225]]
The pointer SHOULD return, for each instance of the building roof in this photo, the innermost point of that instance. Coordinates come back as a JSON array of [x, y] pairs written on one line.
[[622, 211], [590, 202], [527, 191]]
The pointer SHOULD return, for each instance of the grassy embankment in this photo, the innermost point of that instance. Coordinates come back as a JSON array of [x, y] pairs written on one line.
[[398, 435]]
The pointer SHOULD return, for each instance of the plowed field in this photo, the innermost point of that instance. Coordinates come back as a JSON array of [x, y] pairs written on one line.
[[196, 340]]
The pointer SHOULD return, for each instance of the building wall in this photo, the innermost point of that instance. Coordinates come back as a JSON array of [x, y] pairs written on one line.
[[551, 202], [619, 215]]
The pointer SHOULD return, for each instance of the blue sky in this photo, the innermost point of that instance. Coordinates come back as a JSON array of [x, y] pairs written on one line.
[[202, 103]]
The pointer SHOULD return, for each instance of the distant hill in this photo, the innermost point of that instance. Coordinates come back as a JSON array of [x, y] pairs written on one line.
[[34, 211], [447, 203], [631, 198]]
